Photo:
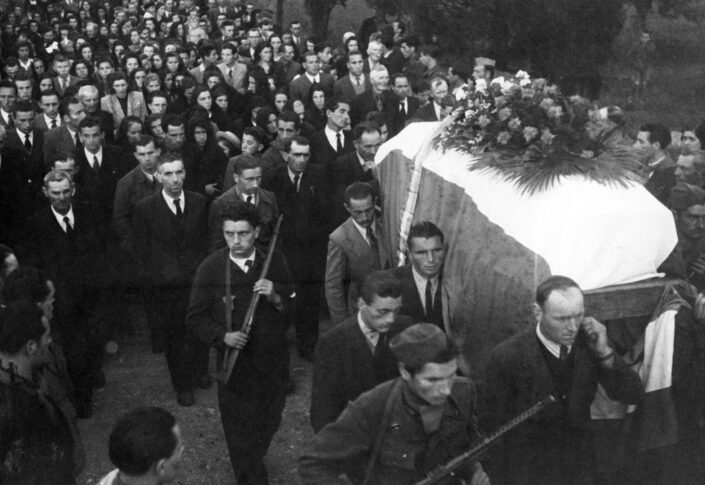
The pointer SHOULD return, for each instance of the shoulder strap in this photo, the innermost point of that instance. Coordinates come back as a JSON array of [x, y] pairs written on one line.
[[396, 389]]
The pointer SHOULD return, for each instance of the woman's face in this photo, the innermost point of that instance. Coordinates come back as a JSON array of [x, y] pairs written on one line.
[[120, 88], [222, 102], [280, 101], [200, 135], [157, 131], [172, 64], [81, 70], [135, 37], [131, 64], [250, 145], [272, 124], [87, 53], [39, 66], [266, 54], [212, 81], [114, 29], [319, 99], [157, 62], [276, 43], [204, 100], [352, 46], [153, 86], [104, 31], [139, 78], [45, 84], [169, 81], [134, 131]]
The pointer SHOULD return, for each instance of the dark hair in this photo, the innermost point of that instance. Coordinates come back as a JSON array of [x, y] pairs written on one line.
[[25, 283], [173, 120], [358, 191], [169, 157], [699, 132], [90, 122], [145, 140], [6, 83], [382, 284], [242, 212], [425, 230], [299, 140], [66, 101], [255, 132], [24, 106], [141, 438], [334, 103], [553, 283], [410, 40], [379, 118], [658, 132], [245, 162], [431, 50], [205, 50], [364, 127], [443, 356], [20, 322], [289, 117]]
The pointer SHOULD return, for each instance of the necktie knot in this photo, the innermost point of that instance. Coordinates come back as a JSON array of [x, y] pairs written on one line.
[[96, 163], [338, 142], [27, 143], [248, 265], [53, 123], [563, 352], [250, 199], [297, 177], [67, 225], [177, 206]]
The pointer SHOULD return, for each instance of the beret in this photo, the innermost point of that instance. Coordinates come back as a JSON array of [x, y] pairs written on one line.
[[418, 344], [685, 195]]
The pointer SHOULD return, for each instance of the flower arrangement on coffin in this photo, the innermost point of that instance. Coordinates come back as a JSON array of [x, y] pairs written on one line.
[[532, 135]]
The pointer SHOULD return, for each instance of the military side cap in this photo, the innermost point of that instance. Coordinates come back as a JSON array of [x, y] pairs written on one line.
[[685, 195], [418, 344]]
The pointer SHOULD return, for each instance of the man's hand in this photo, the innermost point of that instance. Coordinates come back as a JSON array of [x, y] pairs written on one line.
[[212, 189], [698, 267], [479, 477], [266, 288], [597, 339], [235, 339]]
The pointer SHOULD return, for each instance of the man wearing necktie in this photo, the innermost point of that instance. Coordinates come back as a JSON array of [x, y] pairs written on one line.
[[27, 143], [355, 249], [353, 357], [421, 280], [252, 400], [356, 82], [169, 230], [404, 428], [565, 355], [407, 106], [68, 241]]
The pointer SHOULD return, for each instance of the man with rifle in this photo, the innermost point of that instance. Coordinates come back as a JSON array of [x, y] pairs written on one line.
[[405, 428], [238, 304]]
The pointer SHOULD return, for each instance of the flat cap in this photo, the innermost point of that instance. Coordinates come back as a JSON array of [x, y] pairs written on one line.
[[418, 344], [685, 195]]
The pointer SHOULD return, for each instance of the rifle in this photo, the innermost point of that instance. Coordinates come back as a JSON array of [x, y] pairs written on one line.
[[474, 453], [231, 354]]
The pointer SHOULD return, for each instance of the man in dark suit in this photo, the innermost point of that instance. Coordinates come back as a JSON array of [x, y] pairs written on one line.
[[291, 67], [356, 82], [67, 240], [169, 229], [300, 189], [14, 197], [65, 138], [63, 79], [8, 96], [566, 355], [332, 141], [49, 118], [353, 356], [24, 139], [379, 98], [300, 87], [406, 103], [651, 142], [433, 110], [247, 175], [99, 167], [355, 249], [356, 166], [421, 281]]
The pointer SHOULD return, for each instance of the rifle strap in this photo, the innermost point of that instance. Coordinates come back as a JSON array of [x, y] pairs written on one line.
[[396, 390]]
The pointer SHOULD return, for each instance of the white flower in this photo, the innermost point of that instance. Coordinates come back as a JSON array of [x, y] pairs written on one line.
[[498, 80], [555, 112], [522, 75], [547, 137], [546, 103], [514, 124], [504, 113], [530, 133], [483, 121], [461, 93], [524, 82], [507, 87], [503, 137], [481, 86]]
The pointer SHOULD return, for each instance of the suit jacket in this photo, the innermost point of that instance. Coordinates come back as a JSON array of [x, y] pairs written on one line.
[[41, 124], [411, 300], [58, 140], [350, 260], [305, 224], [344, 89], [57, 87], [322, 153], [238, 81], [135, 107], [32, 161], [14, 196], [213, 13], [365, 103], [394, 62], [98, 186], [425, 113], [400, 119], [517, 377], [345, 368], [300, 87], [291, 70], [662, 180], [129, 190], [344, 171], [267, 208], [170, 251]]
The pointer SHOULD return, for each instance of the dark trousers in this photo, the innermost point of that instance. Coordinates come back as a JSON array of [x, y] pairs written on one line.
[[307, 269], [186, 357], [251, 416]]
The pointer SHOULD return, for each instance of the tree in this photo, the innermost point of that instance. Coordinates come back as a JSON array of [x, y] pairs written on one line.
[[319, 11]]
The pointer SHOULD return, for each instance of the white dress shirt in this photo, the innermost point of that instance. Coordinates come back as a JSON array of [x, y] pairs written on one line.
[[332, 137], [421, 285], [170, 201], [242, 262], [60, 218], [551, 346], [371, 336]]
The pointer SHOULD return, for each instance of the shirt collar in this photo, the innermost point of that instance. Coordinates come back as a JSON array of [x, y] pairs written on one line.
[[89, 155], [60, 217], [372, 336], [313, 79], [551, 346], [24, 135], [242, 262], [292, 175], [170, 200], [421, 280], [363, 230]]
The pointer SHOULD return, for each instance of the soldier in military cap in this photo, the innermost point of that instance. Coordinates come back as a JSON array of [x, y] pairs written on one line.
[[402, 429]]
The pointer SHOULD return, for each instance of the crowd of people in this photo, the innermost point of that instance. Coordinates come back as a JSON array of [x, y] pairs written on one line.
[[156, 150]]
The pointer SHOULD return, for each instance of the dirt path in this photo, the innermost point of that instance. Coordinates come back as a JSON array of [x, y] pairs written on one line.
[[136, 377]]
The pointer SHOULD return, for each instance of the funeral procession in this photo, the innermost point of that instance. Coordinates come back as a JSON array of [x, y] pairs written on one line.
[[368, 242]]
